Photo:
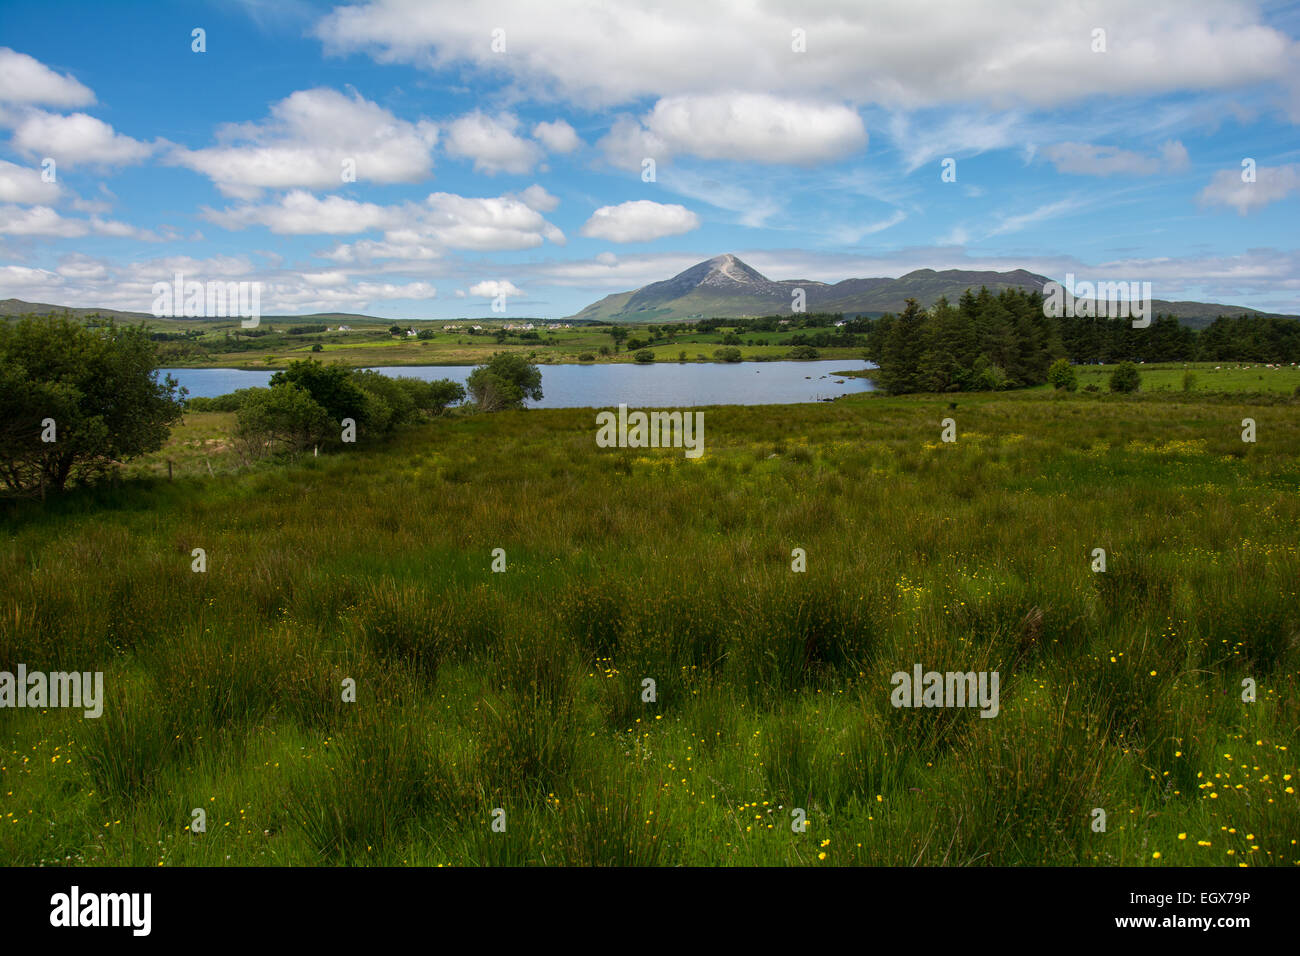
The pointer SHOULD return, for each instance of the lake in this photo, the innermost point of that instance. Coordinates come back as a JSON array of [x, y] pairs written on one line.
[[661, 385]]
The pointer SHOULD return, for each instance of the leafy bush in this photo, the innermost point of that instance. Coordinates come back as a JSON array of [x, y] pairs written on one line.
[[726, 355], [437, 396], [644, 357], [283, 419], [803, 353], [1061, 375], [990, 378], [333, 387], [506, 381], [586, 357], [230, 402], [1125, 378]]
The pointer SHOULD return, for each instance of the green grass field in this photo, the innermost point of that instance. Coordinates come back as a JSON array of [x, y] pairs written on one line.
[[370, 344], [522, 690], [1207, 377]]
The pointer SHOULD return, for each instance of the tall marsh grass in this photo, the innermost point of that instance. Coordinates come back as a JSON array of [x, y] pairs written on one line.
[[525, 690]]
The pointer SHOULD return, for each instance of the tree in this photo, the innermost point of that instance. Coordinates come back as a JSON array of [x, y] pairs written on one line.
[[901, 351], [437, 396], [1125, 378], [396, 397], [619, 334], [333, 387], [281, 419], [506, 381], [644, 357], [75, 398], [1061, 375]]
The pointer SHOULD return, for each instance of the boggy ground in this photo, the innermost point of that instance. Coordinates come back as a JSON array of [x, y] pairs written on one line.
[[523, 690]]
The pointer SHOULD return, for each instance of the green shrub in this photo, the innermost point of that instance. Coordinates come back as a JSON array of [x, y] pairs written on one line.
[[1061, 375], [230, 402], [282, 419], [506, 381], [1125, 378]]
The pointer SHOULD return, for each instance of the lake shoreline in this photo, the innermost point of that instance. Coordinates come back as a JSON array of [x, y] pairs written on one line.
[[400, 363], [609, 384]]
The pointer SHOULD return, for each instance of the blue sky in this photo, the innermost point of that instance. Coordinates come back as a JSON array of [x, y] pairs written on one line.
[[500, 147]]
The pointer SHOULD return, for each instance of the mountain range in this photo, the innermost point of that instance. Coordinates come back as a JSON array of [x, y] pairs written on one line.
[[726, 287]]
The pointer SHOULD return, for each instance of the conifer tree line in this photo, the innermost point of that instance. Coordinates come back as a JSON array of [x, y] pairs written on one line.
[[992, 341]]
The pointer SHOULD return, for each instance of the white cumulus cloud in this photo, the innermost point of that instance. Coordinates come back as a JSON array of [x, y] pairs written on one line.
[[639, 221], [558, 137], [894, 53], [311, 139], [24, 79], [491, 288], [76, 139], [301, 213], [1272, 183], [536, 197], [755, 127], [492, 144], [24, 184]]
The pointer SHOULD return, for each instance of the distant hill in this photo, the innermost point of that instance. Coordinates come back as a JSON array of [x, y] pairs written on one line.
[[725, 287], [19, 307]]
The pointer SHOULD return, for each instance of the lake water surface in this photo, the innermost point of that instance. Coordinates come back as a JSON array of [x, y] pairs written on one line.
[[661, 385]]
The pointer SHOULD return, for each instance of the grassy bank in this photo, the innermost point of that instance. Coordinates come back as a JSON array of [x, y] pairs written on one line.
[[523, 690]]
